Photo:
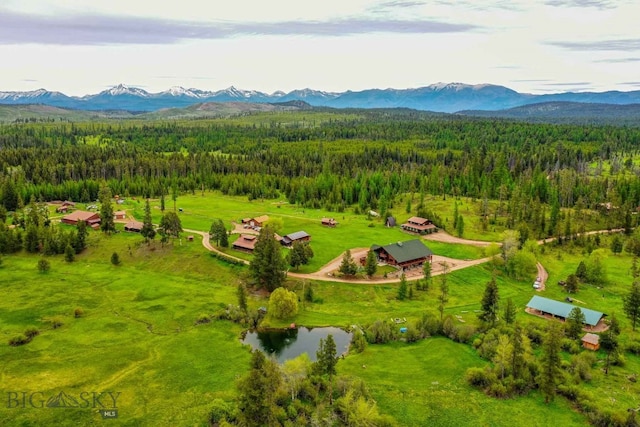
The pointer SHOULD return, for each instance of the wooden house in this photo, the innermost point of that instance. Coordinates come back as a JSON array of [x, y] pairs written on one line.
[[298, 236], [119, 215], [258, 221], [591, 341], [246, 242], [419, 225], [411, 253], [329, 222], [133, 226], [91, 218]]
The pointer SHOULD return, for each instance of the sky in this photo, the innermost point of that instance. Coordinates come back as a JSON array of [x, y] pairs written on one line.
[[82, 47]]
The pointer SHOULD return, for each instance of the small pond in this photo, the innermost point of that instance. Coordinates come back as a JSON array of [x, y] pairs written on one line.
[[285, 344]]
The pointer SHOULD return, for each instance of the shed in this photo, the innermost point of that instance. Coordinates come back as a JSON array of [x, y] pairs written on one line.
[[329, 222], [298, 236], [119, 215], [546, 306], [591, 341], [133, 226], [390, 222]]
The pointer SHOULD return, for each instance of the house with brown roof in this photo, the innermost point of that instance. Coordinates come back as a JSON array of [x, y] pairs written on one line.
[[591, 341], [258, 221], [246, 242], [298, 236], [419, 225], [91, 218], [119, 215], [133, 226], [329, 222]]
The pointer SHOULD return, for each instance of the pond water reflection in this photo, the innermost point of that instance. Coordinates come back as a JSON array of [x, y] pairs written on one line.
[[285, 344]]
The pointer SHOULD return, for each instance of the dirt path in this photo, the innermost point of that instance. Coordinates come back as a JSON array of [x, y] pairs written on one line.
[[444, 237], [439, 263], [543, 275]]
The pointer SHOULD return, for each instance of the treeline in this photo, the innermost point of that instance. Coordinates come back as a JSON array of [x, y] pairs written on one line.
[[335, 164]]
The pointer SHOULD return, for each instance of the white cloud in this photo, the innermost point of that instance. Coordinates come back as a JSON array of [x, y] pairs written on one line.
[[80, 47]]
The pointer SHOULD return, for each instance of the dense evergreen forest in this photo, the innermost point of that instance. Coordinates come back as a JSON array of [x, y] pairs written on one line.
[[331, 160]]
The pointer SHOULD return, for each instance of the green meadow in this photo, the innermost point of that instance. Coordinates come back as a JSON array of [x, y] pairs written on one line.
[[138, 336]]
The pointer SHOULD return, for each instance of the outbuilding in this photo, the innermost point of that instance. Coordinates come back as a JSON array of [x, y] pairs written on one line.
[[591, 341]]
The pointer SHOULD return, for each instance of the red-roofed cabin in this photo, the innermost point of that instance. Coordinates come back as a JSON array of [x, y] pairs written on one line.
[[91, 218], [246, 242], [419, 225]]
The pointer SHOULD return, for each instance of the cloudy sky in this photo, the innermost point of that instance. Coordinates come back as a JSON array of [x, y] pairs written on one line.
[[536, 46]]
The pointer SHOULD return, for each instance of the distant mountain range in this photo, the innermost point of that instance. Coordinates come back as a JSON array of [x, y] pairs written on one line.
[[440, 97]]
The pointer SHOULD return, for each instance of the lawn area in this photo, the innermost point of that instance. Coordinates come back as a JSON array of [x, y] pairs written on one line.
[[353, 231], [137, 336], [423, 384]]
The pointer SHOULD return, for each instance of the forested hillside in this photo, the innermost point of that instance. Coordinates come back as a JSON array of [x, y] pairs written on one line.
[[332, 160]]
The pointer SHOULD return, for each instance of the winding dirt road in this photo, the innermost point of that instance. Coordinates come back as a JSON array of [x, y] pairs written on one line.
[[439, 263]]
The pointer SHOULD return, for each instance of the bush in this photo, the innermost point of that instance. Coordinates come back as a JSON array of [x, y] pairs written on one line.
[[78, 312], [412, 334], [31, 332], [358, 341], [220, 411], [44, 265], [56, 322], [633, 347], [380, 332], [429, 325], [480, 377], [203, 318], [115, 258], [18, 340]]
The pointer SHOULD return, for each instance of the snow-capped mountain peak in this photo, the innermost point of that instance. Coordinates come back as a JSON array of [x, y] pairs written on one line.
[[180, 91], [122, 89]]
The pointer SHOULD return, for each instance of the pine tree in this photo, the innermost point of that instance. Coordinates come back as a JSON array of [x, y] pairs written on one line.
[[148, 232], [257, 392], [107, 223], [509, 312], [460, 226], [571, 285], [632, 304], [402, 289], [371, 264], [443, 298], [80, 241], [348, 266], [268, 266], [489, 304], [609, 340], [69, 253], [242, 297], [574, 323], [326, 357], [551, 360], [426, 270]]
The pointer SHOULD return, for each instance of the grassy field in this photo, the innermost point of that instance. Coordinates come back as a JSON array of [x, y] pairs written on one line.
[[423, 384], [138, 336], [353, 231]]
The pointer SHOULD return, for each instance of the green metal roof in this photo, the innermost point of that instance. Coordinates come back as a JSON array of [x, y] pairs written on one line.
[[406, 251], [562, 309]]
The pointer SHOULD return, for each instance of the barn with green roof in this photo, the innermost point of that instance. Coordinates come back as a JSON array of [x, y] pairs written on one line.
[[548, 307], [404, 254]]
